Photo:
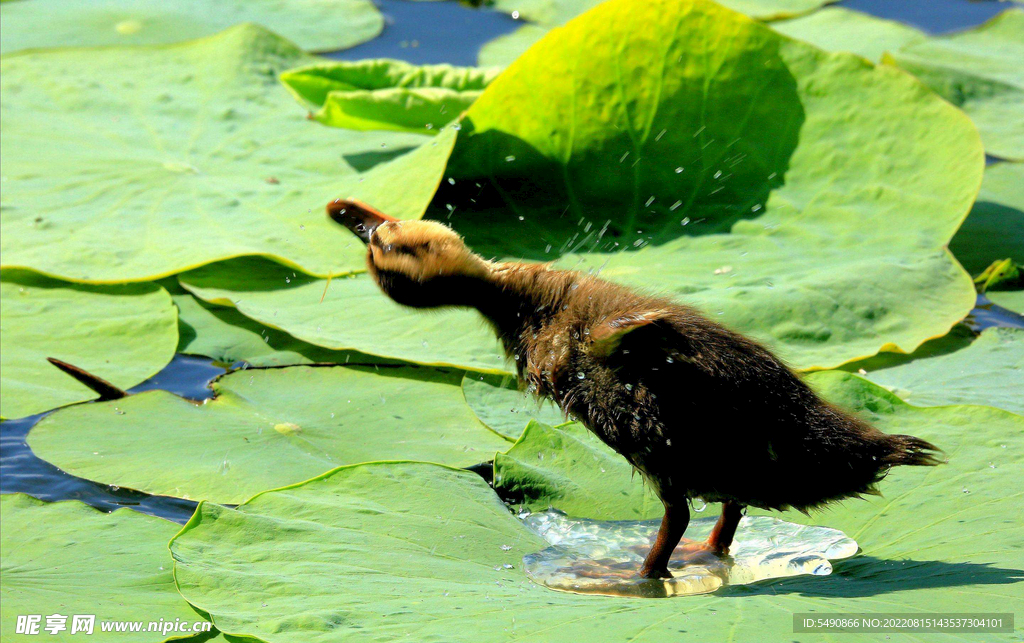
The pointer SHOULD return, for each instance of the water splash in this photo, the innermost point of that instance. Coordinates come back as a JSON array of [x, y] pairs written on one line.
[[602, 557]]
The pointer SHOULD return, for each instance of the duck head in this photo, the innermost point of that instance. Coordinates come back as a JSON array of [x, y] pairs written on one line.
[[417, 263]]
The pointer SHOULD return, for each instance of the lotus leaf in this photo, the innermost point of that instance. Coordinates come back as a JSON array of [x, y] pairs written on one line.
[[499, 404], [839, 29], [226, 335], [993, 229], [123, 334], [501, 51], [570, 469], [1008, 299], [315, 25], [417, 547], [67, 558], [353, 315], [267, 428], [980, 71], [387, 94], [135, 163], [802, 197], [988, 370]]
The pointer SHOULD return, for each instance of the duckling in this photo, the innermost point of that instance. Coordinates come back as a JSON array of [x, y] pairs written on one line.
[[697, 409]]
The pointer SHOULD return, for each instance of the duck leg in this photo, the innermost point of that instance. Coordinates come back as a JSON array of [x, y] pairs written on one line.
[[677, 517], [722, 535]]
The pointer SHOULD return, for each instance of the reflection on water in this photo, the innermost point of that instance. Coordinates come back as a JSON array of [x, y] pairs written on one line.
[[602, 557]]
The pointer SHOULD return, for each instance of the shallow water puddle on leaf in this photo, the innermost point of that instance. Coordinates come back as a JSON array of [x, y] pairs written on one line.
[[603, 556]]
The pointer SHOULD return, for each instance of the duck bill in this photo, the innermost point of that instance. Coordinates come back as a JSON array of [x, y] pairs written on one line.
[[358, 217]]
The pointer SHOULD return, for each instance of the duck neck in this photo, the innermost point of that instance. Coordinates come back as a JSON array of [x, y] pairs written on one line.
[[518, 298]]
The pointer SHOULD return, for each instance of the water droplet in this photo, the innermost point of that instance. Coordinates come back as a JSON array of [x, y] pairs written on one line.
[[679, 170], [823, 569], [515, 15], [509, 159], [699, 505], [580, 375]]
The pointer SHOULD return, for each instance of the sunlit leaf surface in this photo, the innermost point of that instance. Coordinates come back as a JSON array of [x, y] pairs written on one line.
[[499, 404], [570, 469], [993, 229], [387, 94], [123, 334], [268, 428], [988, 370], [315, 25], [979, 70], [226, 335], [67, 558], [135, 163], [839, 29]]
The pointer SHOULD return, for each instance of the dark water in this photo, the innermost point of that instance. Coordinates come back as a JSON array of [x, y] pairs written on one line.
[[932, 16], [419, 32], [22, 471], [432, 32]]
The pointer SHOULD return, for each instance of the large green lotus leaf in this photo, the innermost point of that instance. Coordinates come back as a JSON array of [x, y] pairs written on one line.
[[839, 29], [988, 370], [353, 315], [980, 71], [428, 553], [547, 14], [498, 402], [132, 163], [68, 558], [570, 469], [387, 94], [267, 428], [315, 25], [803, 197], [992, 230], [123, 334], [226, 335]]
